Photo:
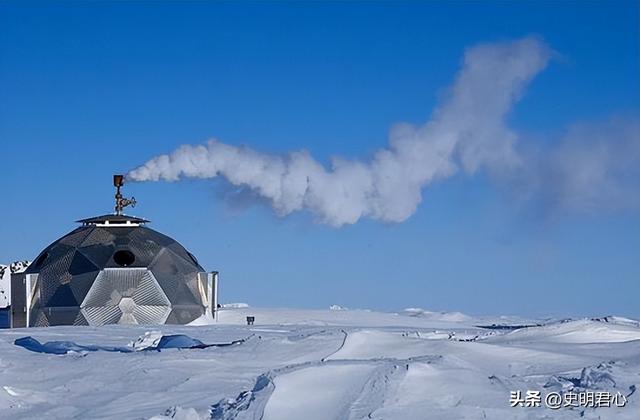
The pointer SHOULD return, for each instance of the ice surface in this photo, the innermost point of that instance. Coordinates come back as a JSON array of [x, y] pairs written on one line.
[[324, 364], [151, 340]]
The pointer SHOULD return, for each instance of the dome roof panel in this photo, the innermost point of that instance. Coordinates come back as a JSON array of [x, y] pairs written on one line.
[[99, 236], [173, 274], [183, 314], [80, 284], [181, 252], [98, 254], [121, 240], [53, 272], [81, 264], [146, 234], [63, 296], [75, 237]]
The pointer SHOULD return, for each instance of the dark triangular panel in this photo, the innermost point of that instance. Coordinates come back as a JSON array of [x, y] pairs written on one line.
[[172, 274], [81, 264], [62, 316], [172, 318], [81, 284], [76, 237], [183, 314], [63, 296], [98, 254]]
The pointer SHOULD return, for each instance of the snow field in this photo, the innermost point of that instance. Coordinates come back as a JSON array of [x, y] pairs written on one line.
[[324, 365]]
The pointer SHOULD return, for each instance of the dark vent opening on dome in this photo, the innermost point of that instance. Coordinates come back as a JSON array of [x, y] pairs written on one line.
[[124, 258], [193, 258]]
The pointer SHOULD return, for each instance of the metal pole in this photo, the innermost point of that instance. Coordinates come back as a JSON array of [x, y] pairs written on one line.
[[215, 295]]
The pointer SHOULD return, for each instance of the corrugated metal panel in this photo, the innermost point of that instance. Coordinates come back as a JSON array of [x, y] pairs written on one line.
[[125, 296]]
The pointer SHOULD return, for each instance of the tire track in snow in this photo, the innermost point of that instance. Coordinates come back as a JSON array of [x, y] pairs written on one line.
[[387, 372], [344, 340], [380, 384], [251, 404]]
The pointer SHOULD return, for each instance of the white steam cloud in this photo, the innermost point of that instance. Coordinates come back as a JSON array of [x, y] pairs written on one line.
[[594, 166], [466, 132]]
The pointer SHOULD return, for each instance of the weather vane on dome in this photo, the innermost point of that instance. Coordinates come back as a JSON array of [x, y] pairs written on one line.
[[121, 202]]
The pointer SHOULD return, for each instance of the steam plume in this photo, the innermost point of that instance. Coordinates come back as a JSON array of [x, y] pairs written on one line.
[[594, 166], [466, 132]]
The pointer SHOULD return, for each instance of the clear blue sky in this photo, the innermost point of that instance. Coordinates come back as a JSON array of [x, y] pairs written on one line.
[[88, 89]]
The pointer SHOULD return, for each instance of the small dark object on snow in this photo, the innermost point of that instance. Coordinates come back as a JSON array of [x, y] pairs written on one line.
[[251, 320], [507, 327]]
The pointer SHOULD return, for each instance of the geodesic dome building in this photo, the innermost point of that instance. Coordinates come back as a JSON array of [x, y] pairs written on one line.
[[111, 270]]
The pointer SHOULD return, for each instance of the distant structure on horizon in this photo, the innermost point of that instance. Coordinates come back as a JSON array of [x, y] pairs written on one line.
[[113, 270]]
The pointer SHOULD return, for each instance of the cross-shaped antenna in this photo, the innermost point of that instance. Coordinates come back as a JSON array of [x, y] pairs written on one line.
[[121, 202]]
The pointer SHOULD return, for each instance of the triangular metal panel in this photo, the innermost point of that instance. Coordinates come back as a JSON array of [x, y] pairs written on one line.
[[121, 240], [145, 250], [99, 255], [172, 318], [98, 236], [173, 274], [61, 315], [81, 264], [75, 237], [144, 233], [151, 315], [183, 314], [40, 320], [81, 284], [80, 319], [101, 315], [54, 271], [63, 297], [111, 285], [149, 292], [179, 251], [125, 296]]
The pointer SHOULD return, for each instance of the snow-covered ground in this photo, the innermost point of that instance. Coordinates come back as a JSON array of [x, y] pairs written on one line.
[[333, 364]]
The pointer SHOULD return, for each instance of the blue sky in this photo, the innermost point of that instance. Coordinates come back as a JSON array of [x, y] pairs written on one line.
[[88, 89]]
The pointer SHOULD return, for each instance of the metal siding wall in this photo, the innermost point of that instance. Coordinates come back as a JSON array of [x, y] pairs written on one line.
[[18, 301]]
